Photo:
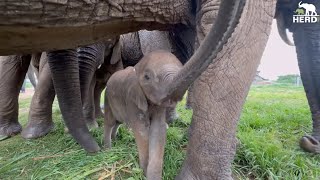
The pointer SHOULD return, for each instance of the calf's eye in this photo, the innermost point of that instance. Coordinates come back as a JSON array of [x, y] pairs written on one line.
[[146, 77]]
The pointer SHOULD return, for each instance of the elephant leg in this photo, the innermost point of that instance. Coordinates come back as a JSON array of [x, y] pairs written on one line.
[[13, 70], [89, 58], [31, 76], [64, 68], [171, 114], [141, 135], [100, 86], [307, 38], [35, 63], [220, 92], [157, 141], [89, 106], [109, 124], [189, 98], [115, 131], [40, 116]]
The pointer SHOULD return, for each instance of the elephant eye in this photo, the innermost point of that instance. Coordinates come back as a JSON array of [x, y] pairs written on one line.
[[146, 77]]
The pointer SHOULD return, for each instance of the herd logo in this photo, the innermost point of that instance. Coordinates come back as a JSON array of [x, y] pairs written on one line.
[[305, 13]]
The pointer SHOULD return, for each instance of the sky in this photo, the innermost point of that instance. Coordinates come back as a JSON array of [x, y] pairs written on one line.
[[278, 58]]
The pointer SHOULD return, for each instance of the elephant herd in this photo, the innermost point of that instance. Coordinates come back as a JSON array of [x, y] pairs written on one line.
[[214, 52], [129, 56]]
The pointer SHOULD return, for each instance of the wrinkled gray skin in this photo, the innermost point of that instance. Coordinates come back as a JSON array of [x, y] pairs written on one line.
[[40, 114], [40, 119], [219, 92], [12, 72], [133, 96], [31, 76], [132, 47], [306, 39], [40, 109], [135, 45], [102, 75], [96, 63]]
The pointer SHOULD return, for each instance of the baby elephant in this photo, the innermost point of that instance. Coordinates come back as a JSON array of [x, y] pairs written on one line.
[[134, 96]]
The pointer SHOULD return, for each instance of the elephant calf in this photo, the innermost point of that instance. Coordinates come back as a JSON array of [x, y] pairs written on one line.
[[134, 96]]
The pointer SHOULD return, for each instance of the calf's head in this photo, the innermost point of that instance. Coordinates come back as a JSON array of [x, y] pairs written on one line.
[[155, 73]]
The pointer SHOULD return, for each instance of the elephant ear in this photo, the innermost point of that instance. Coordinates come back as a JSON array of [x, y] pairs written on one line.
[[136, 96], [116, 53]]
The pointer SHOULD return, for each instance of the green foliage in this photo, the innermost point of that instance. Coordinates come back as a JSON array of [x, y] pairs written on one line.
[[288, 79], [273, 120]]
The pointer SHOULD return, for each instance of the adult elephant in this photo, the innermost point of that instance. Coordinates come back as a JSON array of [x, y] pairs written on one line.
[[97, 63], [220, 91], [40, 122], [40, 114], [306, 39], [13, 70], [90, 58]]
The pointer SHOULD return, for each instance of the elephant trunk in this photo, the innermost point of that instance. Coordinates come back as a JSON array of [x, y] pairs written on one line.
[[307, 40], [282, 28], [65, 74], [90, 57], [228, 17]]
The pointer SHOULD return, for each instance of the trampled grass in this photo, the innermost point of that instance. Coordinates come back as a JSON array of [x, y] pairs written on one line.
[[273, 120]]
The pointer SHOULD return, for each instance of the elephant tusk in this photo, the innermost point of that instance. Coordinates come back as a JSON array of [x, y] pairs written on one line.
[[282, 29]]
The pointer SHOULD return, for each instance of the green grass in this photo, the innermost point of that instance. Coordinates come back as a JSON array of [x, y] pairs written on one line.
[[273, 120]]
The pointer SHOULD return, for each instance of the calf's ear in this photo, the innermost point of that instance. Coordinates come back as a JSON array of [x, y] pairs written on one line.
[[137, 96]]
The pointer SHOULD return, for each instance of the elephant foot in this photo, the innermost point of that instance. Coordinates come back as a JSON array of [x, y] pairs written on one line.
[[171, 116], [10, 130], [36, 130], [310, 144]]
